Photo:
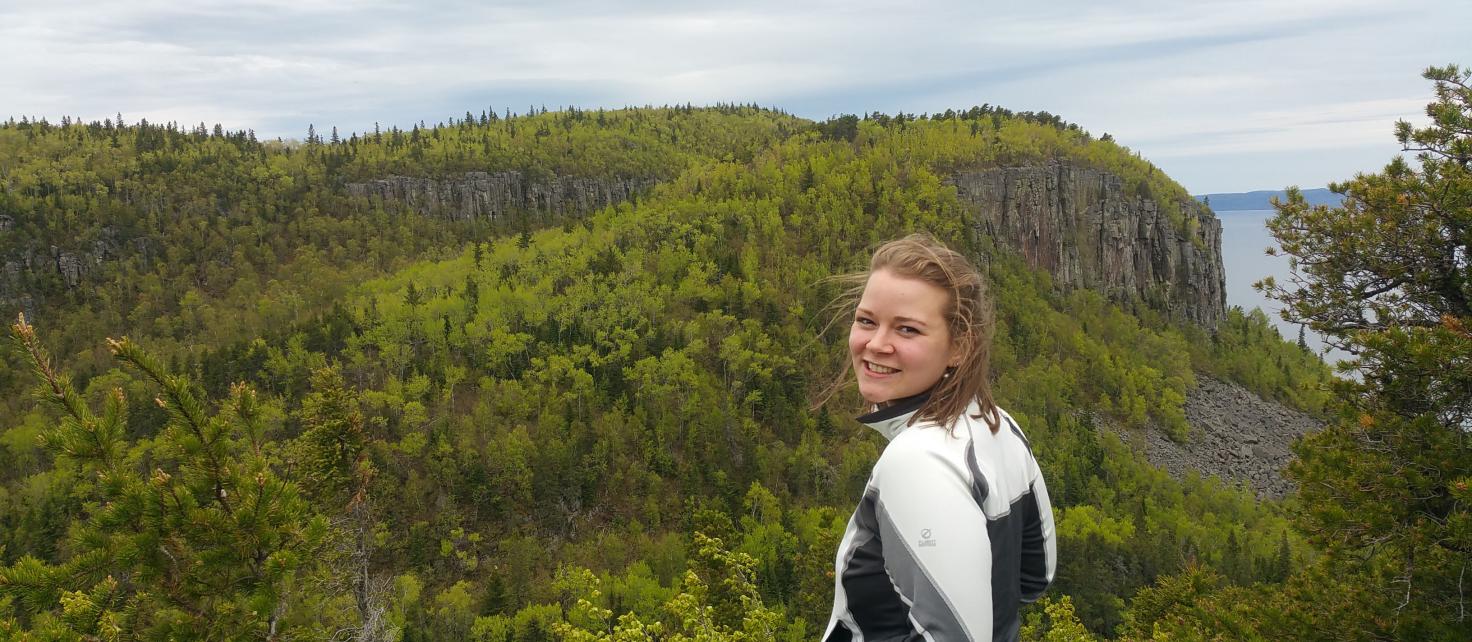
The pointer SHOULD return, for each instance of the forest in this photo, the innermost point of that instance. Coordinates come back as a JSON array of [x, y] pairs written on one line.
[[263, 407]]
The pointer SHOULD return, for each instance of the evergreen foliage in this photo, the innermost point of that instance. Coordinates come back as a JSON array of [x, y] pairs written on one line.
[[201, 541], [1387, 278]]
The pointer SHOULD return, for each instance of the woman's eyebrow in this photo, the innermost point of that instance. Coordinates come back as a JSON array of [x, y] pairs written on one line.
[[898, 319]]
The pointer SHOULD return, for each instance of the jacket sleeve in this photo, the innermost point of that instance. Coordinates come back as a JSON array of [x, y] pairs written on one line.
[[935, 543], [1039, 548]]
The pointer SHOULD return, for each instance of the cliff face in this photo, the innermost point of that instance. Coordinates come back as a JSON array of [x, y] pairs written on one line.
[[472, 195], [23, 267], [486, 195], [1085, 228]]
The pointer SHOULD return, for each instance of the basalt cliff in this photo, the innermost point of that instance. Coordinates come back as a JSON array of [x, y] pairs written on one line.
[[499, 194], [32, 269], [1085, 228]]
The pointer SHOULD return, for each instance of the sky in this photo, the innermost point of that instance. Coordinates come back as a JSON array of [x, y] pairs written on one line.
[[1224, 95]]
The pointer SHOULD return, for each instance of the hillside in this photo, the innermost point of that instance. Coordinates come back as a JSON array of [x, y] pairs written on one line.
[[503, 361], [1263, 199]]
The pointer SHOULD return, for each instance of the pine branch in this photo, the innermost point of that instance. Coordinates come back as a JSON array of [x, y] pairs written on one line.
[[183, 406], [81, 434], [60, 387]]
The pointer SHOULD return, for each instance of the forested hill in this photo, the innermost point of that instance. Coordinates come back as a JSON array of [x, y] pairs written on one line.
[[512, 377], [82, 203], [1263, 199]]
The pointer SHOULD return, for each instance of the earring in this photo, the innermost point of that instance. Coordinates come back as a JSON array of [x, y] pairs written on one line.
[[947, 373]]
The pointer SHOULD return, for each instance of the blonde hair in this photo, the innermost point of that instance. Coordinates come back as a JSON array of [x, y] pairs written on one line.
[[968, 316]]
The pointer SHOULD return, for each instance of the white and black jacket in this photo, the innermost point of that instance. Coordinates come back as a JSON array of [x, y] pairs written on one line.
[[953, 533]]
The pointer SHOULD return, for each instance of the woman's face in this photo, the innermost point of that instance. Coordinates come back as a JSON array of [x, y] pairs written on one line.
[[899, 342]]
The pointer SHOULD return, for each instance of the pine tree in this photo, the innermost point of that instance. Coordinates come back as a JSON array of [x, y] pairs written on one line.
[[1235, 563], [1386, 277], [202, 546], [337, 470], [472, 296], [333, 438]]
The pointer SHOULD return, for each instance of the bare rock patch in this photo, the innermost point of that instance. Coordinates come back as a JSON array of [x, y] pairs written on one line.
[[1235, 435]]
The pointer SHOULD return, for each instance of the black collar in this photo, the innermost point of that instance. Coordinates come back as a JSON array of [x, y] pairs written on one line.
[[897, 408]]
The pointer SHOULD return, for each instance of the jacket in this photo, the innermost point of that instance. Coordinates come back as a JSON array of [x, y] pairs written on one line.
[[952, 535]]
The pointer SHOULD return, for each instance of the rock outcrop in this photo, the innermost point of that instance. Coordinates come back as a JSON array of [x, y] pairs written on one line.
[[1088, 230], [472, 195], [493, 195], [23, 268]]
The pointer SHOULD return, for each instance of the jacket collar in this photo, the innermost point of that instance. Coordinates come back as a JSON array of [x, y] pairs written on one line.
[[891, 419]]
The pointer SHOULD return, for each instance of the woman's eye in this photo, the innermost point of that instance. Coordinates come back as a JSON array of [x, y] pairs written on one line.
[[904, 329], [862, 321]]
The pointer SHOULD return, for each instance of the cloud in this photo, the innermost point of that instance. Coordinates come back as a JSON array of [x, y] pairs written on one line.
[[1315, 126], [1170, 78]]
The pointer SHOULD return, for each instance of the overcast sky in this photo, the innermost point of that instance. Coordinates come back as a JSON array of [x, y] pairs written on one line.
[[1226, 95]]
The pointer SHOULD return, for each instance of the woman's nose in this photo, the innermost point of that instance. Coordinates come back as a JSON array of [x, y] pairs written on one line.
[[881, 341]]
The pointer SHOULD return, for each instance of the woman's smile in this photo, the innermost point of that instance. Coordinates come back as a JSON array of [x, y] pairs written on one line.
[[878, 369]]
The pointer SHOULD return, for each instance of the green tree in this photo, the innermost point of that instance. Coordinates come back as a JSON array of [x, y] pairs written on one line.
[[337, 473], [1055, 621], [333, 441], [202, 543], [472, 292], [1387, 486], [718, 600]]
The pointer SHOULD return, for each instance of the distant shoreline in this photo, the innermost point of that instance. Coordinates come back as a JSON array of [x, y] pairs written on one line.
[[1261, 200]]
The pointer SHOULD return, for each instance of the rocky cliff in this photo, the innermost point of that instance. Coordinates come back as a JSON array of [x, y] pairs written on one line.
[[25, 266], [493, 195], [1088, 230], [472, 195]]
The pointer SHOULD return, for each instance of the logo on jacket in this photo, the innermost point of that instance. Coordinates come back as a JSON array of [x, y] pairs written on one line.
[[925, 540]]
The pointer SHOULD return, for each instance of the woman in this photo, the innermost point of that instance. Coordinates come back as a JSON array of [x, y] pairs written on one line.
[[954, 530]]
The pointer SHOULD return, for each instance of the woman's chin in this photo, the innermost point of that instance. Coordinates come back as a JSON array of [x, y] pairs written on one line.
[[875, 397]]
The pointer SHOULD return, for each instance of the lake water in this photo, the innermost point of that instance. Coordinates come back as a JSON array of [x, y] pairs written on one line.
[[1245, 238]]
